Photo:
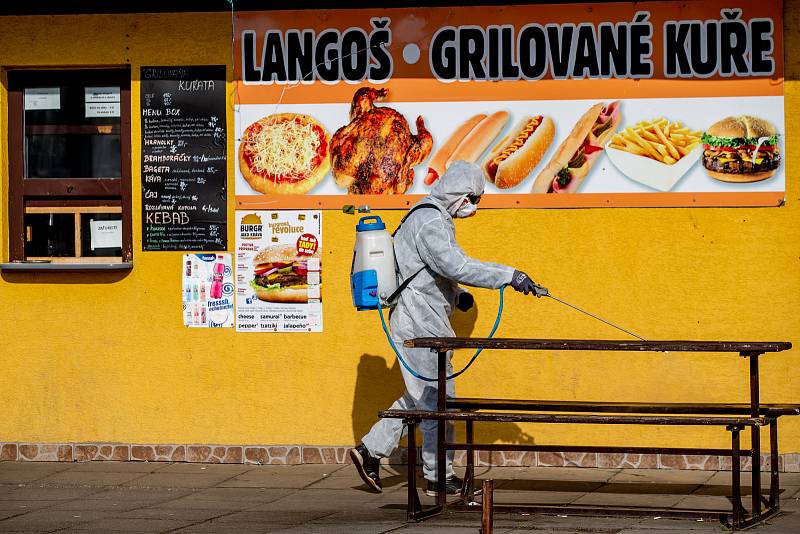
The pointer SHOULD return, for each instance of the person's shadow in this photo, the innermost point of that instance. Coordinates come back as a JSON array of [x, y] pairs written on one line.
[[378, 386]]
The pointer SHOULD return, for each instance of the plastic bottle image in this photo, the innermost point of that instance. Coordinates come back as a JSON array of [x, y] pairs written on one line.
[[202, 315], [202, 292], [187, 314], [187, 292], [216, 285], [195, 314], [195, 292]]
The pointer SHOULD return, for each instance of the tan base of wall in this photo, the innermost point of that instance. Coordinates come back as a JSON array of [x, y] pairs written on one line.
[[303, 454]]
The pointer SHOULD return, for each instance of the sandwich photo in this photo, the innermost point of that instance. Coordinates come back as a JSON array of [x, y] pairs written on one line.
[[518, 153], [467, 143], [741, 149], [280, 274], [578, 152]]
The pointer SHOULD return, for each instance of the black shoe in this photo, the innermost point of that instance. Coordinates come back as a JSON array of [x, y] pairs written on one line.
[[368, 467], [452, 486]]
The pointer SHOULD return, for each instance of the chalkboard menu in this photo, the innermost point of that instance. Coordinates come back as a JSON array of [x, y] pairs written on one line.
[[184, 142]]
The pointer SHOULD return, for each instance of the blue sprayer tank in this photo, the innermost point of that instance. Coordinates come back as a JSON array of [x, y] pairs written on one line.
[[373, 275]]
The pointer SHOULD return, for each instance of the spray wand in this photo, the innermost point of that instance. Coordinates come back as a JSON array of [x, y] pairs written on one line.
[[539, 292]]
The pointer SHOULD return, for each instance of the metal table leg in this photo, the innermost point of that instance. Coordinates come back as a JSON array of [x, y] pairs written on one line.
[[441, 432], [736, 486], [468, 490], [774, 482], [414, 506], [755, 433]]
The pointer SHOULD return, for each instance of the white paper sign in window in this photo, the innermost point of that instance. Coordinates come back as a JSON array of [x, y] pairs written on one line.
[[101, 94], [106, 234], [38, 98], [102, 109]]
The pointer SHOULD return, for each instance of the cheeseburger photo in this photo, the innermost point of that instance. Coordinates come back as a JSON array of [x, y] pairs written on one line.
[[280, 274], [741, 149]]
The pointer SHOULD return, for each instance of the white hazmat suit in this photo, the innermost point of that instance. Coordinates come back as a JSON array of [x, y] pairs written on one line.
[[427, 239]]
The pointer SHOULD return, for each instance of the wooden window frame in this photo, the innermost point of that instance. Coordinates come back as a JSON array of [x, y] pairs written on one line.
[[67, 195]]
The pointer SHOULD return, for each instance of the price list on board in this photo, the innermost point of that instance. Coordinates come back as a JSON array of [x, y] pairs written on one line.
[[184, 160]]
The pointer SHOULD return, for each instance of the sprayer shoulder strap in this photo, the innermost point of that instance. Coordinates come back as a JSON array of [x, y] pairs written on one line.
[[412, 210], [408, 280]]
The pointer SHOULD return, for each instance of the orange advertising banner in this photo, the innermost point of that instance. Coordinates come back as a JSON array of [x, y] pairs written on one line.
[[576, 105]]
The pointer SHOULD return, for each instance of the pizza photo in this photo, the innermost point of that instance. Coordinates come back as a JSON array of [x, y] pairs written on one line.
[[284, 154]]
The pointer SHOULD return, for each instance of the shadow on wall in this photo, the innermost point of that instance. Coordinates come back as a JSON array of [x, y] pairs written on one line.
[[378, 386]]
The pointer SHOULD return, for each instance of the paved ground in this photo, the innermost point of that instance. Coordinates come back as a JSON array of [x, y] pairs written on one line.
[[158, 497]]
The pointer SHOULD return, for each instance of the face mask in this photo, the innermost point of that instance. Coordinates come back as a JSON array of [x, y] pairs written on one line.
[[467, 209]]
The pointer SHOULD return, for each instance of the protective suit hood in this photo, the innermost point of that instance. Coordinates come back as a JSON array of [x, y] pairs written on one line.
[[460, 179]]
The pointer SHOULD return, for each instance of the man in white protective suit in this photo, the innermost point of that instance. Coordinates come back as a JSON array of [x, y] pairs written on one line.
[[425, 243]]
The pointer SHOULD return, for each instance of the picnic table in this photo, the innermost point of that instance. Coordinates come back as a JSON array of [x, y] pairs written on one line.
[[734, 417]]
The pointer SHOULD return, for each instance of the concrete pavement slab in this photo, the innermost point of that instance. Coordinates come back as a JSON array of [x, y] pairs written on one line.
[[113, 505], [48, 520], [34, 466], [201, 469], [90, 478], [662, 476], [536, 497], [628, 499], [15, 506], [561, 474], [787, 523], [266, 477], [180, 480], [324, 499], [25, 476], [222, 499], [330, 499], [654, 488], [5, 514], [376, 527], [136, 493], [119, 524], [37, 492], [272, 518], [567, 522], [182, 514], [443, 529], [723, 478], [233, 528], [521, 484], [706, 502], [670, 525], [118, 467]]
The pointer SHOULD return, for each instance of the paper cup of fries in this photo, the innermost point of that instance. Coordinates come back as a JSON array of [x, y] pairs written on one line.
[[656, 153]]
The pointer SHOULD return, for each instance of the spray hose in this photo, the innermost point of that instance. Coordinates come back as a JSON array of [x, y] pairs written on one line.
[[454, 375]]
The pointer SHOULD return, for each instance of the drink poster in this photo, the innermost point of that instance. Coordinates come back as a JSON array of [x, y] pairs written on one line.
[[207, 290], [278, 271]]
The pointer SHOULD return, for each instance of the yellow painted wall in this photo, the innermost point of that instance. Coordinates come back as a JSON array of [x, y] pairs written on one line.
[[103, 357]]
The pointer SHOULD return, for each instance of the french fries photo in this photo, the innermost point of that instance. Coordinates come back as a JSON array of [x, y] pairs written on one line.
[[658, 139]]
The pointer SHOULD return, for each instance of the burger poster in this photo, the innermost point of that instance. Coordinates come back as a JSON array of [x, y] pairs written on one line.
[[278, 271], [579, 105]]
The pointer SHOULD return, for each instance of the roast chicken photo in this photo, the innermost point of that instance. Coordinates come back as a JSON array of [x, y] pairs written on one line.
[[376, 152]]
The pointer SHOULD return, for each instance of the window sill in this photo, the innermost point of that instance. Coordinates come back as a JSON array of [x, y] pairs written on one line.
[[39, 266]]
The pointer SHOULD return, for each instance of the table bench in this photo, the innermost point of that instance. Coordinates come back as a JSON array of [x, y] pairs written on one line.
[[733, 417]]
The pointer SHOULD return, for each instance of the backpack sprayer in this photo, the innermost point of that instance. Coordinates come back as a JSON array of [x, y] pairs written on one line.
[[374, 284]]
